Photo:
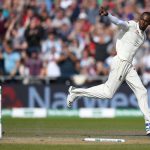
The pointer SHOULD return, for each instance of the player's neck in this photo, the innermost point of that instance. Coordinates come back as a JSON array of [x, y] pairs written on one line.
[[142, 30]]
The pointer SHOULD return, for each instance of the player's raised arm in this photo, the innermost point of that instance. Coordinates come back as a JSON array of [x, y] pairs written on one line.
[[122, 24]]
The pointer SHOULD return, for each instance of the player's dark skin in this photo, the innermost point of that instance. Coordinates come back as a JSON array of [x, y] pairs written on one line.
[[144, 20]]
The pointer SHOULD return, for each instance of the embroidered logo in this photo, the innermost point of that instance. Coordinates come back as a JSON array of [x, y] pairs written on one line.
[[137, 32]]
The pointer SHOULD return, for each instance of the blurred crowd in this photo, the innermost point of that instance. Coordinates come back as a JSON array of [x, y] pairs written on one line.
[[63, 38]]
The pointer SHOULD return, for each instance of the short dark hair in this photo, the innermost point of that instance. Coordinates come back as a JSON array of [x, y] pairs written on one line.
[[145, 14], [9, 43]]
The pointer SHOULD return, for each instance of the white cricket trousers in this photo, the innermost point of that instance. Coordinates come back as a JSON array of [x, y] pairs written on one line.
[[120, 70]]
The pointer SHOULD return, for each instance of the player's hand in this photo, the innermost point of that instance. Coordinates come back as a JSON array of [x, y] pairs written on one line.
[[103, 11]]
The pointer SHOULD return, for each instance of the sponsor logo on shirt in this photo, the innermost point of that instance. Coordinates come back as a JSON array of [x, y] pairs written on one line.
[[139, 35], [137, 32]]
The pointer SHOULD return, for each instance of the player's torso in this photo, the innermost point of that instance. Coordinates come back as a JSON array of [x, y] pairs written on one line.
[[129, 41]]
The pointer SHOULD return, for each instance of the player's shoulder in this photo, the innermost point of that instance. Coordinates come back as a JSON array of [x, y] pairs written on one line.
[[132, 23]]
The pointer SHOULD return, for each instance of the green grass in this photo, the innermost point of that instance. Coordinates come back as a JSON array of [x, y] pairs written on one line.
[[73, 147], [75, 128], [57, 126]]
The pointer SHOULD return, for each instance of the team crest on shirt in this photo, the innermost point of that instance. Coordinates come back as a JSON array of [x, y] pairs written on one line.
[[137, 32]]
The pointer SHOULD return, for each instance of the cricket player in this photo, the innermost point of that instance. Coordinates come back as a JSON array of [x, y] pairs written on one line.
[[131, 37]]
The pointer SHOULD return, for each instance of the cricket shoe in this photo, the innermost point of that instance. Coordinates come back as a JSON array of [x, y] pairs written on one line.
[[71, 97], [147, 128]]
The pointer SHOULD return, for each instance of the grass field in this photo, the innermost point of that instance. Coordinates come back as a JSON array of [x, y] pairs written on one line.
[[67, 134]]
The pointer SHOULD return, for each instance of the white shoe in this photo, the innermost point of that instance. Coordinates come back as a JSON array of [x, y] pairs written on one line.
[[147, 128], [71, 97]]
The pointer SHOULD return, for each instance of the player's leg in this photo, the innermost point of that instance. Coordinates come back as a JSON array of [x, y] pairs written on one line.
[[102, 91], [134, 81]]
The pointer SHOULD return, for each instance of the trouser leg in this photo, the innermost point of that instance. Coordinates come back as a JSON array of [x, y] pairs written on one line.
[[134, 82], [106, 90]]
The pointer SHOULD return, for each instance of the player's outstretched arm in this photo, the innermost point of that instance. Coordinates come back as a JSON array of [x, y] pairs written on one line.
[[122, 24]]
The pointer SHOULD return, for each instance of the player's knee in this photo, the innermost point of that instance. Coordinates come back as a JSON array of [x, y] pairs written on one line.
[[144, 91]]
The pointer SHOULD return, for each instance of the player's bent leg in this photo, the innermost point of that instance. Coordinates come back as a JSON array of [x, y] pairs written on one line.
[[102, 91], [94, 92]]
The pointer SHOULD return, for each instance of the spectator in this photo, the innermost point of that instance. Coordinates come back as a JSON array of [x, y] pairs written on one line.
[[102, 38], [76, 48], [33, 35], [60, 18], [73, 11], [87, 64], [3, 28], [42, 26], [11, 59], [16, 33], [67, 62], [34, 64], [28, 14], [49, 43], [1, 64], [52, 68], [112, 52], [47, 26], [92, 11], [64, 31]]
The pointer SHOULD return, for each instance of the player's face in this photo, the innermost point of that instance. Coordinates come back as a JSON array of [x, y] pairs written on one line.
[[144, 22]]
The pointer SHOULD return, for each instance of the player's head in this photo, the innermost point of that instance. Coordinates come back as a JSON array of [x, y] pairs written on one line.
[[144, 20]]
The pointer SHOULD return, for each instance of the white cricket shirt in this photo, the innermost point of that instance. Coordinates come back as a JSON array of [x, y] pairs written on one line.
[[130, 38]]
